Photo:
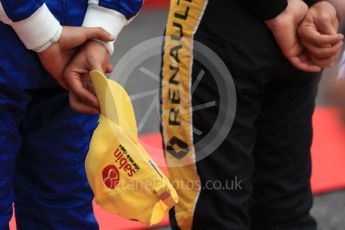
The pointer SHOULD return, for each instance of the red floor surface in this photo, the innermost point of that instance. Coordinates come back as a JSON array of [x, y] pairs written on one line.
[[156, 3], [328, 152]]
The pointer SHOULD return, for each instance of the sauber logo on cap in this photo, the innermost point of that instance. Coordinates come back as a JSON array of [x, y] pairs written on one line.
[[111, 176]]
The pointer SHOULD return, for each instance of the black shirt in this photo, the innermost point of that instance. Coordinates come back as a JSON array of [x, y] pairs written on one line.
[[268, 9]]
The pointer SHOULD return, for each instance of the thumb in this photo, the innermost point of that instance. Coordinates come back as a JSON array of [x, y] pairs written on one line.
[[330, 30]]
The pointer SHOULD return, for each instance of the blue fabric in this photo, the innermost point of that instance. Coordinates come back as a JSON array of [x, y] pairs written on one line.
[[26, 70], [11, 113], [51, 188], [43, 143], [20, 9], [129, 8], [20, 67]]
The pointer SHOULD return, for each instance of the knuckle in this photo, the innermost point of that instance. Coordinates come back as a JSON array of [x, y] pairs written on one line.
[[323, 15], [325, 18]]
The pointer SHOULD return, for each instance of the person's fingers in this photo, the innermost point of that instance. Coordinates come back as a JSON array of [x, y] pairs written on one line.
[[98, 33], [298, 58], [76, 36], [76, 86], [323, 52], [326, 62], [78, 106], [109, 68], [294, 51], [335, 23], [303, 64], [309, 35], [325, 25], [87, 83]]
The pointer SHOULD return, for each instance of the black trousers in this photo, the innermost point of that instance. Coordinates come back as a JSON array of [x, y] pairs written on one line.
[[259, 176]]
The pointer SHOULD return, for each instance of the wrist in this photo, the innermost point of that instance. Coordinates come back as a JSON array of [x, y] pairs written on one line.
[[39, 31], [280, 19], [291, 16], [98, 46], [110, 20], [109, 46], [277, 22]]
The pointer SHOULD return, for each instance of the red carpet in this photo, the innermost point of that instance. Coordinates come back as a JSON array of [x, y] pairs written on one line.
[[328, 154]]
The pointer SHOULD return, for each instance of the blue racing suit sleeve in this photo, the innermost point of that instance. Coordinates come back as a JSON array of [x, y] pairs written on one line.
[[33, 22], [19, 10], [111, 15], [129, 8], [38, 29]]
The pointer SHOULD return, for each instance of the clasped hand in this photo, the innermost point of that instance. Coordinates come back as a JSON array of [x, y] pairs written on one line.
[[307, 36], [70, 60]]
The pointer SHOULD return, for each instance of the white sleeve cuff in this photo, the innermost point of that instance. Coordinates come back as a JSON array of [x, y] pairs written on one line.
[[110, 20], [39, 31]]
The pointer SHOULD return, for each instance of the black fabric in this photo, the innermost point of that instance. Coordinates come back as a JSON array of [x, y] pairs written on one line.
[[311, 2], [268, 9], [268, 147]]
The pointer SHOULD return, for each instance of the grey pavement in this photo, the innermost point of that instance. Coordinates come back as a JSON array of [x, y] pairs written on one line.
[[329, 209]]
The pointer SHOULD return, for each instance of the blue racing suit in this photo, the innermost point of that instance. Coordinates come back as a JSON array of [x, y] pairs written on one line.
[[43, 143]]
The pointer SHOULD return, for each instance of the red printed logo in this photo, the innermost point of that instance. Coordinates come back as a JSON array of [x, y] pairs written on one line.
[[111, 176]]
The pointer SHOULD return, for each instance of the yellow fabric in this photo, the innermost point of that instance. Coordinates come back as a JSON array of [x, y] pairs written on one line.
[[183, 20], [122, 175]]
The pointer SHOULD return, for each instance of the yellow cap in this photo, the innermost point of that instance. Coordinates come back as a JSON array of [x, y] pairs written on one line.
[[124, 178]]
